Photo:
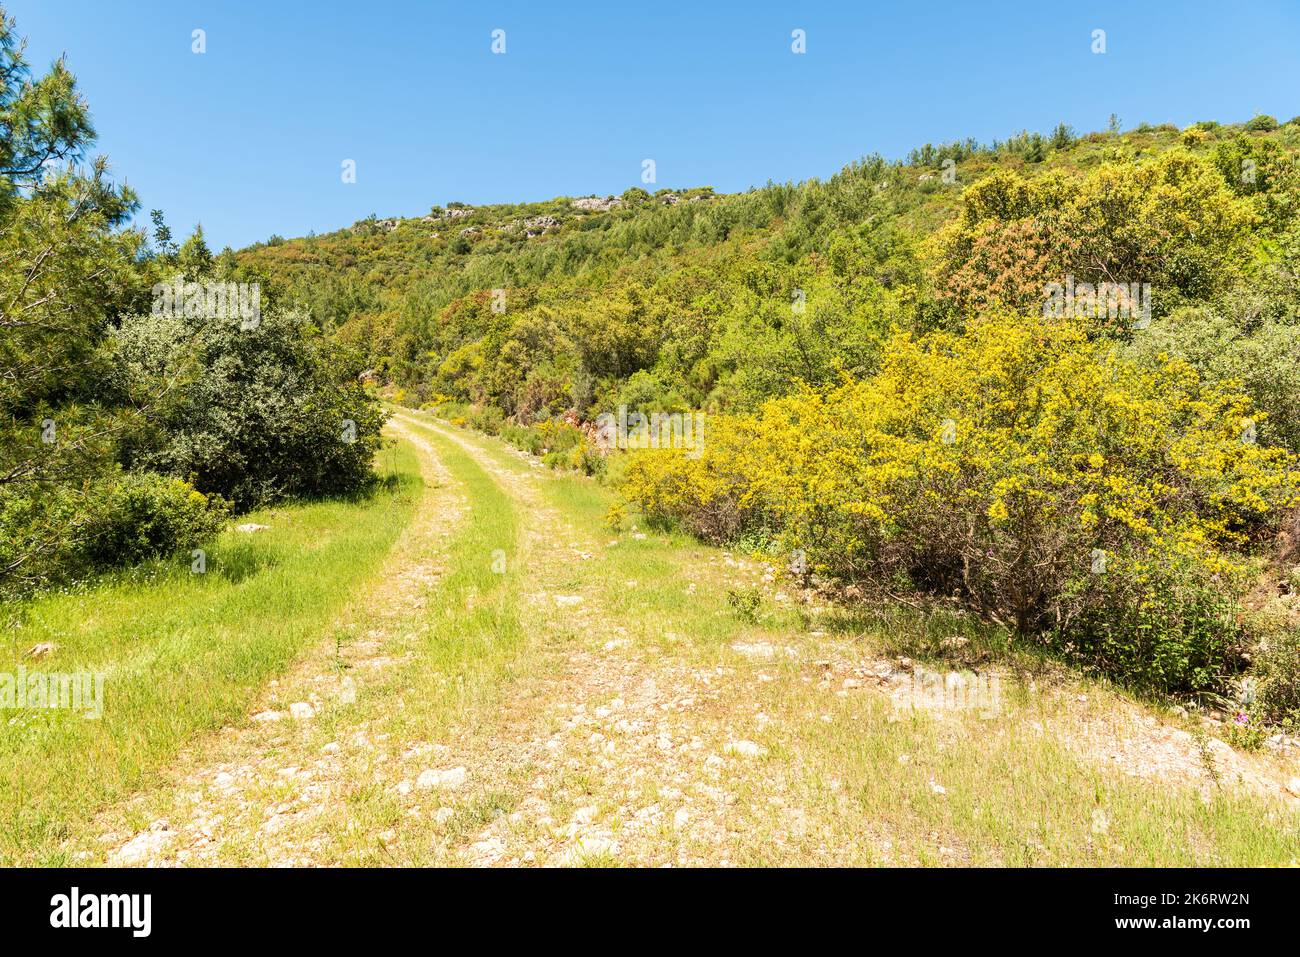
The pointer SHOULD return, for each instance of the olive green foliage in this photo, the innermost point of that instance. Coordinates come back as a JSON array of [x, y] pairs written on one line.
[[252, 414], [1261, 356], [146, 515]]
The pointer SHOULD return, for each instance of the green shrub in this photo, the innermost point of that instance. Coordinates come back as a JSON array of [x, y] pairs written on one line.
[[485, 418], [1157, 622], [38, 545], [57, 534], [257, 413], [1262, 122], [524, 438], [146, 515], [586, 458], [561, 438], [745, 603], [1263, 358], [1276, 670]]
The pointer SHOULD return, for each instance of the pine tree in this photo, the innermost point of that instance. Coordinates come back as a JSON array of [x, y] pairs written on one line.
[[64, 266]]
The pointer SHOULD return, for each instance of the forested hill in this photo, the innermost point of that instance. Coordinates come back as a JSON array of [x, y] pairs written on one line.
[[686, 298]]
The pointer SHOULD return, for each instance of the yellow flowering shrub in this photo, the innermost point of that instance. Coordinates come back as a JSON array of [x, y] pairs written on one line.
[[1023, 468], [709, 493]]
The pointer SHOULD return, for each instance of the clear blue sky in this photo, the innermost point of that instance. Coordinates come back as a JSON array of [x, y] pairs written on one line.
[[248, 138]]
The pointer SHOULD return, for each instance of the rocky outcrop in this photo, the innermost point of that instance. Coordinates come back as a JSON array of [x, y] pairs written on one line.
[[594, 204], [535, 225]]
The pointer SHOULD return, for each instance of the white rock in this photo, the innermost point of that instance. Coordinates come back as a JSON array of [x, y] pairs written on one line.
[[444, 779], [348, 691], [590, 847], [746, 749], [41, 650], [144, 845], [565, 601], [265, 716], [301, 711], [249, 527], [490, 848]]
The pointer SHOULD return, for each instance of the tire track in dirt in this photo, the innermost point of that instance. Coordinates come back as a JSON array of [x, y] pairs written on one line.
[[609, 752], [238, 789]]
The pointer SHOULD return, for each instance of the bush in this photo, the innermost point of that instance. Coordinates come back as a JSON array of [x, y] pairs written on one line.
[[1025, 469], [587, 459], [1170, 221], [710, 496], [560, 437], [561, 445], [1277, 674], [524, 438], [146, 515], [1155, 620], [1262, 122], [1263, 358], [55, 534], [583, 457], [485, 418], [38, 543], [259, 413]]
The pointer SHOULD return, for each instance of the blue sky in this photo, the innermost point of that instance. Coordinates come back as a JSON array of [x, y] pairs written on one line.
[[249, 137]]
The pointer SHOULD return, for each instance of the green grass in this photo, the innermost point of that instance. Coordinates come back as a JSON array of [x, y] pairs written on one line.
[[472, 628], [182, 653], [465, 645]]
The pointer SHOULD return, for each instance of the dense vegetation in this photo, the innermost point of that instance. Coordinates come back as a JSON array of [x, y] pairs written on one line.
[[130, 424], [1053, 380]]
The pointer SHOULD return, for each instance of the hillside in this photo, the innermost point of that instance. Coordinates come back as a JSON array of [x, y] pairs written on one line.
[[655, 301]]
